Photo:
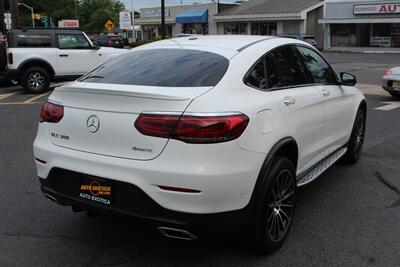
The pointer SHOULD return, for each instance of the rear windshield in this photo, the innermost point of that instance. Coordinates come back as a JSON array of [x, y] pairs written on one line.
[[115, 38], [162, 67]]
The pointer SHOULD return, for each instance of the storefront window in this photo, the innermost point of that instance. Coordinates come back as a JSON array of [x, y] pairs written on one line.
[[151, 32], [195, 28], [365, 35], [263, 28], [235, 28]]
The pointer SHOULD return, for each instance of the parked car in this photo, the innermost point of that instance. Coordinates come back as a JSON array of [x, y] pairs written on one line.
[[391, 81], [304, 37], [38, 56], [110, 41], [202, 134]]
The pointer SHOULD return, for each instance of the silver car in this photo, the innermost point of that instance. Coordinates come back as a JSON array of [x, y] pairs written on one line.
[[391, 81]]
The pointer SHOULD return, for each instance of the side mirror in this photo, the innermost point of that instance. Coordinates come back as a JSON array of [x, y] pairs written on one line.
[[348, 79], [96, 46]]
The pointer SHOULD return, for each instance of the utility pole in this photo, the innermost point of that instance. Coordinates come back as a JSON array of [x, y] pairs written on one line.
[[163, 19], [14, 13], [2, 11]]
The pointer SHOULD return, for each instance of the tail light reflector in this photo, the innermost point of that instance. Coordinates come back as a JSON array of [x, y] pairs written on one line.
[[10, 58], [51, 112], [193, 128], [178, 189], [388, 73]]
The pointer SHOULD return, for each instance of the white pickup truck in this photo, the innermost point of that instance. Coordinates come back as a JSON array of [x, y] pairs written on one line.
[[36, 57]]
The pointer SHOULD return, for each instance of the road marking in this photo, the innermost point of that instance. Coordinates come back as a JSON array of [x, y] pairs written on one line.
[[59, 84], [30, 100], [389, 105], [20, 103], [4, 96]]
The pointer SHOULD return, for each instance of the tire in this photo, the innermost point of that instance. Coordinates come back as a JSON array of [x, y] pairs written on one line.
[[35, 80], [356, 142], [272, 218], [394, 94]]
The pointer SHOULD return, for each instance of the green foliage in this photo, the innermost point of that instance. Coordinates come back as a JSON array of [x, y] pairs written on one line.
[[56, 9], [92, 14], [95, 13]]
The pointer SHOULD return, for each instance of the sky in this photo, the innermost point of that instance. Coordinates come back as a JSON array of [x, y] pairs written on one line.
[[153, 3]]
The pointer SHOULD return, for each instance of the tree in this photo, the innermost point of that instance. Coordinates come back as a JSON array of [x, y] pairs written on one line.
[[92, 14], [95, 13], [56, 9]]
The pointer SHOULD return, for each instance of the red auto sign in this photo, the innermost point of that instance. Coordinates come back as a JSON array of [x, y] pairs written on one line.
[[377, 9]]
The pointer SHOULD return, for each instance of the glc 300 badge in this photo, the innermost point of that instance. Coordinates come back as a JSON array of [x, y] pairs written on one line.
[[93, 123]]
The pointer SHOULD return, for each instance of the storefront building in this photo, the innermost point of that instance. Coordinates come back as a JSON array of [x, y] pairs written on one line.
[[361, 25], [190, 19], [273, 17]]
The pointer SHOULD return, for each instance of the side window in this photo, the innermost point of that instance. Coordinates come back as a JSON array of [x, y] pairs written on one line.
[[284, 68], [256, 76], [320, 71], [33, 40], [72, 41]]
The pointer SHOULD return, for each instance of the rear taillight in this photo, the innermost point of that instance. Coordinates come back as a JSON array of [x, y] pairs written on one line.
[[388, 73], [193, 128], [51, 113], [109, 42], [10, 58]]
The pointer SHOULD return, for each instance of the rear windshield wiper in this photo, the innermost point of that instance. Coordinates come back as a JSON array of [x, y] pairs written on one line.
[[91, 76]]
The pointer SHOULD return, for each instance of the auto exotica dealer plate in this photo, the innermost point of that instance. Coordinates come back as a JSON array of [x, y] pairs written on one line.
[[96, 190], [396, 84]]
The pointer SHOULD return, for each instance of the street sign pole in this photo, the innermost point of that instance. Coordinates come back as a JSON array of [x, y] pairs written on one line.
[[2, 11], [14, 13], [133, 19], [163, 19]]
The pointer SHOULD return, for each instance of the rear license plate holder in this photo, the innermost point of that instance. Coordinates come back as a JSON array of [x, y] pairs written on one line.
[[96, 190]]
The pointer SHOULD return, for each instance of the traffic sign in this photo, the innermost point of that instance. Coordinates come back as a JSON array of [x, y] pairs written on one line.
[[109, 25], [7, 20], [36, 16], [125, 21]]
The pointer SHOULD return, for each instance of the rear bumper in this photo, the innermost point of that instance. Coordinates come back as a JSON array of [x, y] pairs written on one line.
[[387, 85], [225, 175], [10, 74], [62, 186]]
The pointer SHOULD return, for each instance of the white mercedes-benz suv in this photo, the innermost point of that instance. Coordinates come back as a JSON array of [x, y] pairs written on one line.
[[200, 133]]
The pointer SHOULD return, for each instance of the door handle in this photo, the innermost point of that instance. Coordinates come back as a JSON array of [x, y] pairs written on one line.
[[325, 92], [63, 55], [289, 100]]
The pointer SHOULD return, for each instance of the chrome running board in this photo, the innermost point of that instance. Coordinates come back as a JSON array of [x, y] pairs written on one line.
[[322, 166]]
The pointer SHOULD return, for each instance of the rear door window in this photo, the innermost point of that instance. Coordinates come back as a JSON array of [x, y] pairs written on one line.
[[162, 67], [284, 68], [33, 40]]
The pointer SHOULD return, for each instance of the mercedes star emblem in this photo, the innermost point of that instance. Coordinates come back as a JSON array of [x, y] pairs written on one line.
[[93, 123]]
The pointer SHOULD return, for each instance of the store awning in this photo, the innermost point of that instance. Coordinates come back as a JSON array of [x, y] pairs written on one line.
[[192, 16]]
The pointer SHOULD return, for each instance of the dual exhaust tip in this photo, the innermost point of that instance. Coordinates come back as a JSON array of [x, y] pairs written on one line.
[[176, 233], [165, 231]]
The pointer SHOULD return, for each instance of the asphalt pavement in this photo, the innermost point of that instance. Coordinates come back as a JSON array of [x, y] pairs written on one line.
[[350, 216]]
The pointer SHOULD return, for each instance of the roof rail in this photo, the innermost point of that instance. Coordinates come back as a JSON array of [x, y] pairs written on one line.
[[253, 43]]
